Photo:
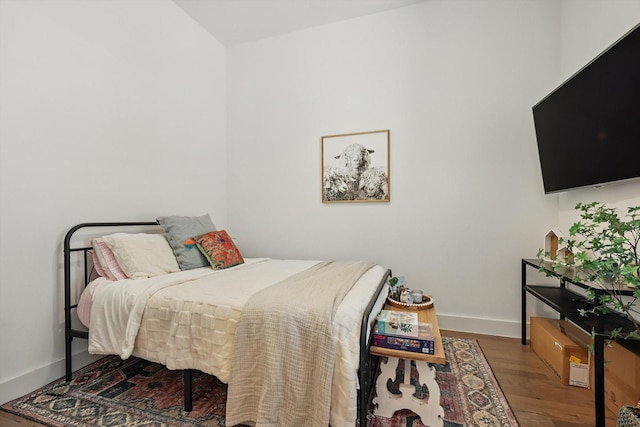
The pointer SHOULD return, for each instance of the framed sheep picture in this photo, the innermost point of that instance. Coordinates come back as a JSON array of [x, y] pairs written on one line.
[[355, 167]]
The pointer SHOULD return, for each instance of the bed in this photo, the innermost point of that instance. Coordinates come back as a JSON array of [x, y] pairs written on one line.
[[241, 323]]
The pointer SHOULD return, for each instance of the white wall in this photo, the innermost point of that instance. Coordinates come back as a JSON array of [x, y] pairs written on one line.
[[455, 83], [588, 28], [136, 90], [108, 111]]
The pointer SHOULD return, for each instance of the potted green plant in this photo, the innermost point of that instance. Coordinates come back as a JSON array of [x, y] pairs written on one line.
[[604, 248]]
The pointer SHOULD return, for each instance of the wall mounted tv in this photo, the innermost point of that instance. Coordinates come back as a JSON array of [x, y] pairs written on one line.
[[588, 129]]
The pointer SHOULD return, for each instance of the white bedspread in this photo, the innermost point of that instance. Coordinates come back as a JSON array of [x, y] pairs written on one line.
[[188, 320]]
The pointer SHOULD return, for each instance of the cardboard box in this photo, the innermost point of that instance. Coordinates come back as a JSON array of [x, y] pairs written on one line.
[[562, 346], [617, 393], [622, 361], [621, 374]]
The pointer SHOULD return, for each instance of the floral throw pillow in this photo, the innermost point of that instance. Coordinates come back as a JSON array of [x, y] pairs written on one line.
[[219, 249]]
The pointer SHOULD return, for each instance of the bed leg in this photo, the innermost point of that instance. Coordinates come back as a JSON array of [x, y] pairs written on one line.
[[187, 376], [364, 401], [366, 391], [368, 363], [67, 350]]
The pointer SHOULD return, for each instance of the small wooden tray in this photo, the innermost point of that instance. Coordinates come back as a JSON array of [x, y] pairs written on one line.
[[427, 303]]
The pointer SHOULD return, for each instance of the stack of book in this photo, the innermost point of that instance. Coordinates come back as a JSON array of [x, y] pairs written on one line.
[[400, 330]]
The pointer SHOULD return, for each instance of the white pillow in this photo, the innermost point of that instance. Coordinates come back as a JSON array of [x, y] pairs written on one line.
[[142, 255]]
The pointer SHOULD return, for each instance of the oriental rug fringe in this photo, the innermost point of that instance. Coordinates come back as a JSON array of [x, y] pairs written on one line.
[[137, 393]]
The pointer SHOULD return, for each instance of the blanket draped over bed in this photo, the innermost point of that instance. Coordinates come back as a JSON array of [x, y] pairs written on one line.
[[284, 349]]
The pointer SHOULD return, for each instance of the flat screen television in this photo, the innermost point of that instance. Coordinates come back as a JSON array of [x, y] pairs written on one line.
[[588, 129]]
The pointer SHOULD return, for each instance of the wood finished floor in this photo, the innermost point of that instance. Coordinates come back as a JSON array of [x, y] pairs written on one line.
[[536, 396]]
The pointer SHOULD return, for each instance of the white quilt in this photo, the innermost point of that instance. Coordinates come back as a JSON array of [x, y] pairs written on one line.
[[188, 320]]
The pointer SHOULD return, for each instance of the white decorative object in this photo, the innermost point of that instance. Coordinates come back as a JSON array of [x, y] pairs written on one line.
[[429, 410], [405, 296], [555, 247]]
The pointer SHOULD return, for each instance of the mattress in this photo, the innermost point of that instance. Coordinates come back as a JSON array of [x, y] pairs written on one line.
[[190, 317]]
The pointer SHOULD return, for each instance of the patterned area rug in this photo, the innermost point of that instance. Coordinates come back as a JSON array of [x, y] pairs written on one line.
[[112, 392], [469, 392]]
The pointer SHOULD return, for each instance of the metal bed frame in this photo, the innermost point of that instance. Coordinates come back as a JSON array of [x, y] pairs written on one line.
[[368, 363]]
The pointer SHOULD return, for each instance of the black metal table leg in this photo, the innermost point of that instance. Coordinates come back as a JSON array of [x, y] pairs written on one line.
[[187, 376]]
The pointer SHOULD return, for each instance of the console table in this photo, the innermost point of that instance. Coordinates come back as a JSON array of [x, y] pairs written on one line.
[[567, 302], [431, 412]]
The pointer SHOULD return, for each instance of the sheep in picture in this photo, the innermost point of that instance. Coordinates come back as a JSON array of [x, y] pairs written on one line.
[[336, 184], [356, 159], [373, 185]]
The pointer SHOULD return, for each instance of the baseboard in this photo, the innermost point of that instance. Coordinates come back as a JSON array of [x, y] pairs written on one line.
[[33, 380], [501, 328]]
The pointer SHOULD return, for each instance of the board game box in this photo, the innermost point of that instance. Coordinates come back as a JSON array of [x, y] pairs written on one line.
[[424, 344], [400, 323]]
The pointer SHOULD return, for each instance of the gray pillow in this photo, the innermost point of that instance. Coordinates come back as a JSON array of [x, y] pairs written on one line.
[[178, 229]]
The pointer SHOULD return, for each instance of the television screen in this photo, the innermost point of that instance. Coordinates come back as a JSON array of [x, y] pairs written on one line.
[[588, 129]]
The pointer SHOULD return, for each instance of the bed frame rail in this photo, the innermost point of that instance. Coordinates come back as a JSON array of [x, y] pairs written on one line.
[[368, 363], [69, 332]]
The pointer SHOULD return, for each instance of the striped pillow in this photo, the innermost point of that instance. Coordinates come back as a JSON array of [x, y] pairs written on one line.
[[107, 260], [96, 264]]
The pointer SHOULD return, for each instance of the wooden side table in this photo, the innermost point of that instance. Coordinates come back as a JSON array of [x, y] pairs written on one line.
[[431, 412]]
